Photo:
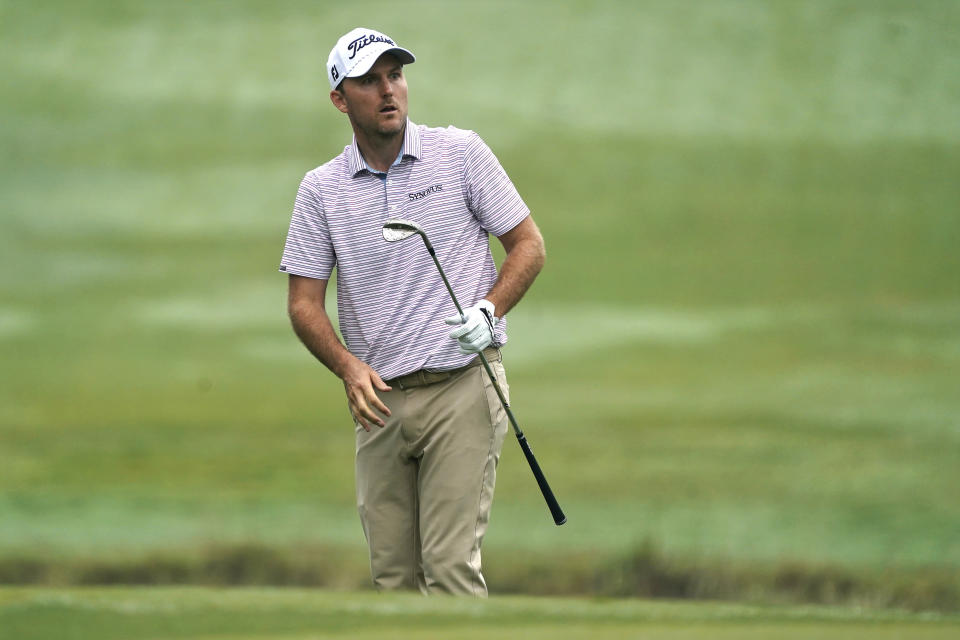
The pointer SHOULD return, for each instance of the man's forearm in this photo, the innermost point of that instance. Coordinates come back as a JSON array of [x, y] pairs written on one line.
[[312, 325], [305, 304], [524, 260]]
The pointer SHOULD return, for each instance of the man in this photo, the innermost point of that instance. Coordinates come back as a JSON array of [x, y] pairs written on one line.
[[429, 425]]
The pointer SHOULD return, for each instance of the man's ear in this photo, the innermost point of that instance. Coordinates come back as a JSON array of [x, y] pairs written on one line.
[[338, 100]]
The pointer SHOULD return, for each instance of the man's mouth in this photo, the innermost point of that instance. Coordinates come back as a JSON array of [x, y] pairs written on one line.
[[388, 109]]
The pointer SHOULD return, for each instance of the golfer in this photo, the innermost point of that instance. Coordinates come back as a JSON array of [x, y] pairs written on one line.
[[429, 426]]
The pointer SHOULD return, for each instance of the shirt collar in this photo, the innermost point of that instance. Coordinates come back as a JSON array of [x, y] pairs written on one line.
[[412, 147]]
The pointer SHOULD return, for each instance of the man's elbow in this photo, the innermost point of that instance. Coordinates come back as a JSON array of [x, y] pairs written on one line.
[[301, 309], [294, 310], [538, 251]]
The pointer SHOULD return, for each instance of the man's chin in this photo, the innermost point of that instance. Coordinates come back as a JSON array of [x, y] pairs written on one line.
[[390, 129], [390, 132]]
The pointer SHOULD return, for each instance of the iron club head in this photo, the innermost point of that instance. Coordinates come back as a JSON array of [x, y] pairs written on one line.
[[396, 229]]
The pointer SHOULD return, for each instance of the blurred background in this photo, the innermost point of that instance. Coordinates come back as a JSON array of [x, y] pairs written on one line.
[[739, 368]]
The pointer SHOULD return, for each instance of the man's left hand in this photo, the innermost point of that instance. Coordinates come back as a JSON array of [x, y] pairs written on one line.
[[475, 332]]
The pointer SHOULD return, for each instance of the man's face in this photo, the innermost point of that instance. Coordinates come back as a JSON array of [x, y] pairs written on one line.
[[376, 102]]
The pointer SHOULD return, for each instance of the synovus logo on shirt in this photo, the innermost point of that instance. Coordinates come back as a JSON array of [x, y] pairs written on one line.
[[418, 195]]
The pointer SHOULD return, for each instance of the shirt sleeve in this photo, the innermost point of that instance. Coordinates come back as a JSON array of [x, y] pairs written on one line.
[[308, 250], [490, 194]]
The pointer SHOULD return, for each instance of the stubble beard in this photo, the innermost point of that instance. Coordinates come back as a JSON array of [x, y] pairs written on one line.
[[382, 131], [391, 130]]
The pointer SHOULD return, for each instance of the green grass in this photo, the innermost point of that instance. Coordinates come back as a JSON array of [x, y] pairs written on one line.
[[261, 613], [744, 347]]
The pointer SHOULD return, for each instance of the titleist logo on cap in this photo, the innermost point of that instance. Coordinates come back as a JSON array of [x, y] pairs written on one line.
[[363, 41]]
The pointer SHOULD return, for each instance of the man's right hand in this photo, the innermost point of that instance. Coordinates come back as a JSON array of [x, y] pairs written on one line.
[[359, 381]]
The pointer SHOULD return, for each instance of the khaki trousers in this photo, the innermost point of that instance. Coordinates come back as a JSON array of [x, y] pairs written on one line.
[[425, 481]]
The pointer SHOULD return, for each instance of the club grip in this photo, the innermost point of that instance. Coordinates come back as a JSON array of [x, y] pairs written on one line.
[[552, 503]]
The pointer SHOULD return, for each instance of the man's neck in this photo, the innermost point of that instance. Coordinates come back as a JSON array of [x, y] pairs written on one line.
[[380, 152]]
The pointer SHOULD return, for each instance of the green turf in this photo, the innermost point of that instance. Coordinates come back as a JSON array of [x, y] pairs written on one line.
[[744, 347], [258, 613]]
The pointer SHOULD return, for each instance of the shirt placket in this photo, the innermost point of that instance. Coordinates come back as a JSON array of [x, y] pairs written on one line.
[[395, 187]]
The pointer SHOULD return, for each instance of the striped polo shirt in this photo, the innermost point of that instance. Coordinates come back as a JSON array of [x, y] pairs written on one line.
[[390, 298]]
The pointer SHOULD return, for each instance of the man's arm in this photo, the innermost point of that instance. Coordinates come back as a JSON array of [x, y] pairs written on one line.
[[306, 307], [524, 259]]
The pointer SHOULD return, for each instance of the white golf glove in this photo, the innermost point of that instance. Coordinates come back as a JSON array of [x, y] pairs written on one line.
[[475, 330]]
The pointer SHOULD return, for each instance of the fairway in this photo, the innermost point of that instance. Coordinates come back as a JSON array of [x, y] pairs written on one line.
[[259, 614], [738, 369]]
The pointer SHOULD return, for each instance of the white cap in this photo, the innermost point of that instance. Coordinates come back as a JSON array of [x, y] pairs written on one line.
[[357, 51]]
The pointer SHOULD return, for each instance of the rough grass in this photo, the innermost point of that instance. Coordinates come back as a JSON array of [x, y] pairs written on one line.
[[644, 573]]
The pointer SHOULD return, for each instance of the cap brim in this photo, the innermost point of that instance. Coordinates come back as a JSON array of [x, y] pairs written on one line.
[[401, 54]]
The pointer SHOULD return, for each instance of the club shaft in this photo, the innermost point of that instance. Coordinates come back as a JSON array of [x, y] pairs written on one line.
[[554, 506], [433, 254]]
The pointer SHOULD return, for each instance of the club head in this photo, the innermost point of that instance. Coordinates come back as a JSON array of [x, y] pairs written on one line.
[[395, 230]]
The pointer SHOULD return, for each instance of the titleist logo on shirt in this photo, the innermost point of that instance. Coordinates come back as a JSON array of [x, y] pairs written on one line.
[[363, 41], [423, 194]]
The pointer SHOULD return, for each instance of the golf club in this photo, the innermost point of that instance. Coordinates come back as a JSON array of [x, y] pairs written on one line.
[[396, 230]]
